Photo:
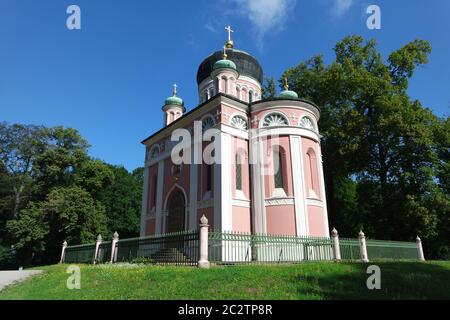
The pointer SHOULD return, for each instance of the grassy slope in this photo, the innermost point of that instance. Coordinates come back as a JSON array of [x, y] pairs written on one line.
[[400, 280]]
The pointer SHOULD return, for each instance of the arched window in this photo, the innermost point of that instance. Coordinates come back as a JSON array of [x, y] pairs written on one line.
[[224, 85], [154, 152], [312, 167], [278, 169], [244, 95], [154, 189], [207, 122], [238, 172], [238, 93], [239, 122], [211, 93], [275, 120], [307, 123], [250, 96]]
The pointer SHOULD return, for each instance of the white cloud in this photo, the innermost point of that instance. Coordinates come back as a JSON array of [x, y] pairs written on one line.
[[342, 6], [265, 15]]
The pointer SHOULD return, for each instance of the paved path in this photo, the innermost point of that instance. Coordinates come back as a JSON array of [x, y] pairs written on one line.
[[9, 277]]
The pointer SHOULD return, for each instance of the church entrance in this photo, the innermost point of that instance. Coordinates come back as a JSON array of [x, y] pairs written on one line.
[[176, 207]]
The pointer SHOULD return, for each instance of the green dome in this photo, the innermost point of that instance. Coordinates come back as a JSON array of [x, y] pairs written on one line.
[[224, 64], [174, 100], [288, 94]]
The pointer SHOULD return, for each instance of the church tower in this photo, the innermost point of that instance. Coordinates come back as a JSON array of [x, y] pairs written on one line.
[[269, 177]]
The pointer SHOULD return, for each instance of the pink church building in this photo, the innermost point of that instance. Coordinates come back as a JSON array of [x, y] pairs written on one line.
[[286, 196]]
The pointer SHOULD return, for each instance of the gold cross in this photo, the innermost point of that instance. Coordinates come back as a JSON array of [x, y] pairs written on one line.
[[229, 32]]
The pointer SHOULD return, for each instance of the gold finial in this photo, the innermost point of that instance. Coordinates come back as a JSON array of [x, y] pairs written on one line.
[[225, 53], [286, 85], [175, 90], [229, 44]]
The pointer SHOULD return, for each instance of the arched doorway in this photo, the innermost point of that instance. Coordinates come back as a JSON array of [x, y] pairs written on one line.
[[176, 206]]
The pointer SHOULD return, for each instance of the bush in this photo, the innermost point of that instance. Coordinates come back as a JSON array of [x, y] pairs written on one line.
[[143, 260]]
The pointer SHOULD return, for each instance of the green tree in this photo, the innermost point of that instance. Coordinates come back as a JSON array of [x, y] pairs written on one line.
[[122, 200], [269, 88], [374, 134], [20, 146], [67, 214]]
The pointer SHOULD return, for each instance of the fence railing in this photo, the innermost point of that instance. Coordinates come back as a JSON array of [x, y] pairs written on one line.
[[80, 254], [202, 247], [233, 247]]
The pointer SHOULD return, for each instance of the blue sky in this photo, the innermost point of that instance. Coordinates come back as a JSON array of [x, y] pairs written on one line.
[[109, 79]]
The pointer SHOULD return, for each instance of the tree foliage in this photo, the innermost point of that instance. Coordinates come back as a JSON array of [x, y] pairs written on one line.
[[385, 155], [64, 194]]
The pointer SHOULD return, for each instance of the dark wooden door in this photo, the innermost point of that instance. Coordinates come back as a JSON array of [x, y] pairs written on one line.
[[176, 207]]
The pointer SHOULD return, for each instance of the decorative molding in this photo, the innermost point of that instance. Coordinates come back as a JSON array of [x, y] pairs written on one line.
[[314, 202], [279, 201], [274, 119], [307, 123], [239, 122], [240, 203]]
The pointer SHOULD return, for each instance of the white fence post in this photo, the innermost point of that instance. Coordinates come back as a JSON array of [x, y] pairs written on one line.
[[97, 247], [336, 247], [203, 262], [420, 248], [63, 251], [114, 241], [362, 243]]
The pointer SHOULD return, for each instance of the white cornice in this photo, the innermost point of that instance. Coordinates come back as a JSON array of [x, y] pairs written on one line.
[[276, 104]]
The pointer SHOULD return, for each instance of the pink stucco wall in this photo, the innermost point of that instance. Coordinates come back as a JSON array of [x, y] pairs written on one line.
[[241, 219], [280, 220], [316, 223]]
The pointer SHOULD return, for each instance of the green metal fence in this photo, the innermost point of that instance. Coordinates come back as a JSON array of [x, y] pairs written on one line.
[[391, 250], [179, 248], [238, 248], [182, 248], [350, 249], [80, 254]]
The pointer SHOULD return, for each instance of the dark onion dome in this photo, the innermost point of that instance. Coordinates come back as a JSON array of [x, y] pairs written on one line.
[[245, 63]]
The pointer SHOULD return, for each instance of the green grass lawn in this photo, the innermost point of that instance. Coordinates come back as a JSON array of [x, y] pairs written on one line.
[[399, 280]]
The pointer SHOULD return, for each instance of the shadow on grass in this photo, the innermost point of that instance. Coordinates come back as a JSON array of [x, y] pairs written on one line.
[[399, 280]]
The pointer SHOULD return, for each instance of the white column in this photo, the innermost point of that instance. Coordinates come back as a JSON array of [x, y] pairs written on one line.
[[114, 250], [336, 246], [222, 184], [322, 190], [203, 239], [363, 247], [301, 216], [144, 201], [193, 186], [420, 248], [256, 151], [97, 246], [63, 251], [159, 198]]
